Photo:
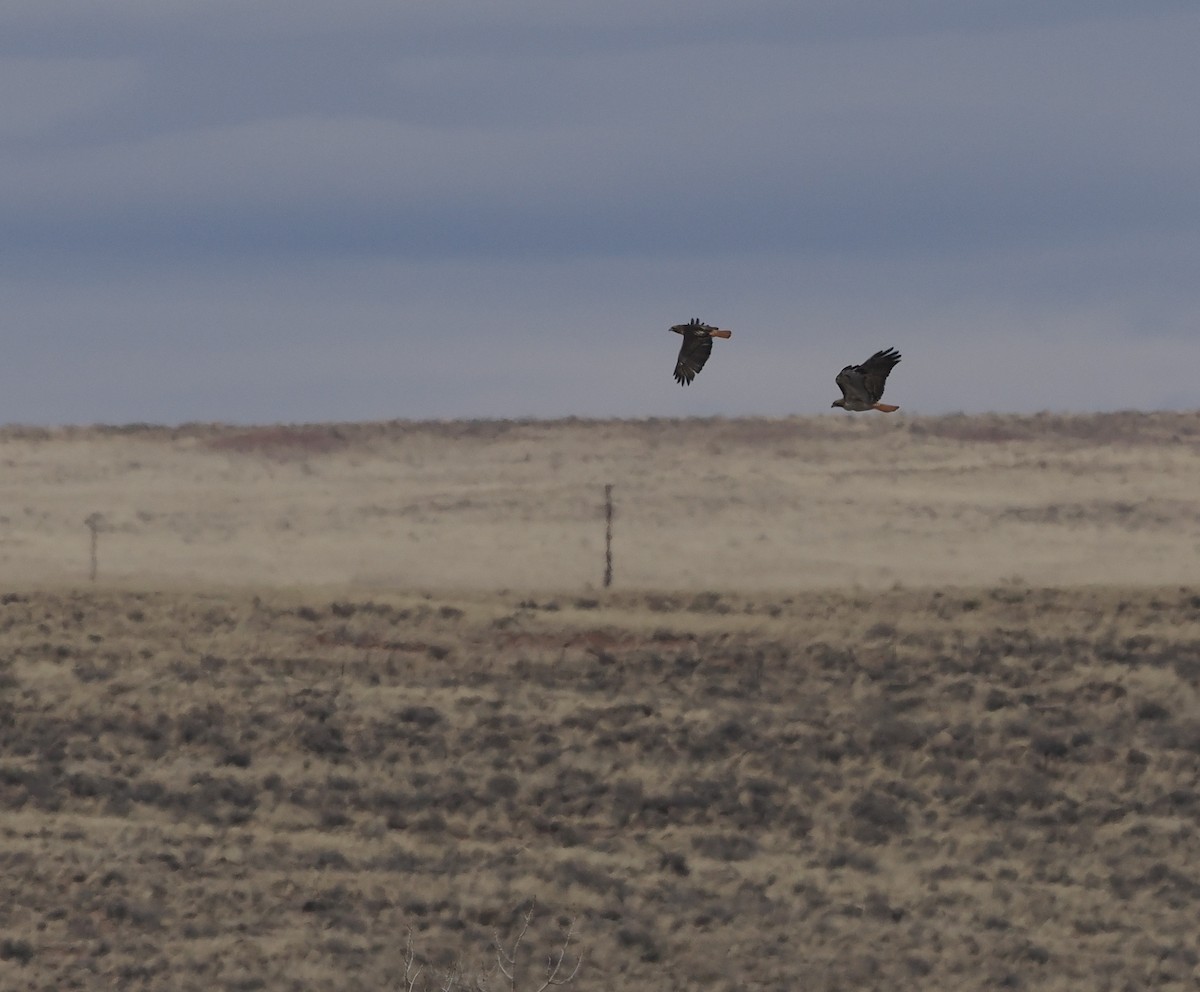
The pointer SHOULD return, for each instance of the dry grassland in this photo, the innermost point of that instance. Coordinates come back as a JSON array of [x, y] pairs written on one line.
[[890, 790], [875, 703], [701, 504]]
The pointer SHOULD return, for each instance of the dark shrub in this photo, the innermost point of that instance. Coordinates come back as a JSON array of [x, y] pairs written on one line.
[[674, 862], [896, 734], [16, 950], [878, 817], [726, 847], [502, 787], [423, 716], [1150, 710]]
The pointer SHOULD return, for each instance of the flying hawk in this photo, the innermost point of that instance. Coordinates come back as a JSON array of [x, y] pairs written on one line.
[[696, 347], [862, 385]]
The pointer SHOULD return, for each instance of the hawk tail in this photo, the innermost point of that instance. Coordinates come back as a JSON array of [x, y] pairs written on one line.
[[886, 407], [721, 334]]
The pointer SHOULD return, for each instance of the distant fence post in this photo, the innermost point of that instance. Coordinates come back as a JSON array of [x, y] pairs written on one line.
[[93, 523], [608, 519]]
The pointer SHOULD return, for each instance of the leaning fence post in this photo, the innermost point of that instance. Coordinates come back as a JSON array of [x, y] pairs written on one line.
[[93, 523], [608, 519]]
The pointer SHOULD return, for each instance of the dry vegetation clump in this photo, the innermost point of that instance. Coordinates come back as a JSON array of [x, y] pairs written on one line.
[[935, 790], [1124, 426], [280, 442]]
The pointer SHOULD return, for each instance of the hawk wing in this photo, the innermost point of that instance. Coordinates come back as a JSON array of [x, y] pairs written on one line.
[[693, 353], [864, 383]]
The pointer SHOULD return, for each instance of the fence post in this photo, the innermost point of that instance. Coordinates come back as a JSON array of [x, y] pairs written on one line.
[[608, 519], [93, 524]]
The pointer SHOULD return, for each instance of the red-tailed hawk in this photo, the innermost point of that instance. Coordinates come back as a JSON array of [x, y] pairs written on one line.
[[696, 347], [862, 385]]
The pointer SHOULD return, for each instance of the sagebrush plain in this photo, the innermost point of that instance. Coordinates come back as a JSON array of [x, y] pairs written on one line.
[[700, 504], [871, 703]]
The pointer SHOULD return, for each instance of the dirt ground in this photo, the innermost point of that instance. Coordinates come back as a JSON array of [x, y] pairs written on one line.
[[700, 504], [873, 703]]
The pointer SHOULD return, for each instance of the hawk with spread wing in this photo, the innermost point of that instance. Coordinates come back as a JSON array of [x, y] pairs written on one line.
[[696, 347], [862, 385]]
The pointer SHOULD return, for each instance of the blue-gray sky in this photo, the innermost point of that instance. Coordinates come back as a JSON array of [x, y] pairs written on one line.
[[295, 210]]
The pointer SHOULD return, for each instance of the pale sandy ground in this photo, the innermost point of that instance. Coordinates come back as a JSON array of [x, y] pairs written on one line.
[[723, 505]]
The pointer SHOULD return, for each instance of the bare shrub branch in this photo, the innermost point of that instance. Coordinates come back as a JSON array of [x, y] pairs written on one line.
[[508, 965], [412, 970], [508, 971]]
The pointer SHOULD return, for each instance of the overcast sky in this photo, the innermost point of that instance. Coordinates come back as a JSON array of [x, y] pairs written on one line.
[[297, 210]]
